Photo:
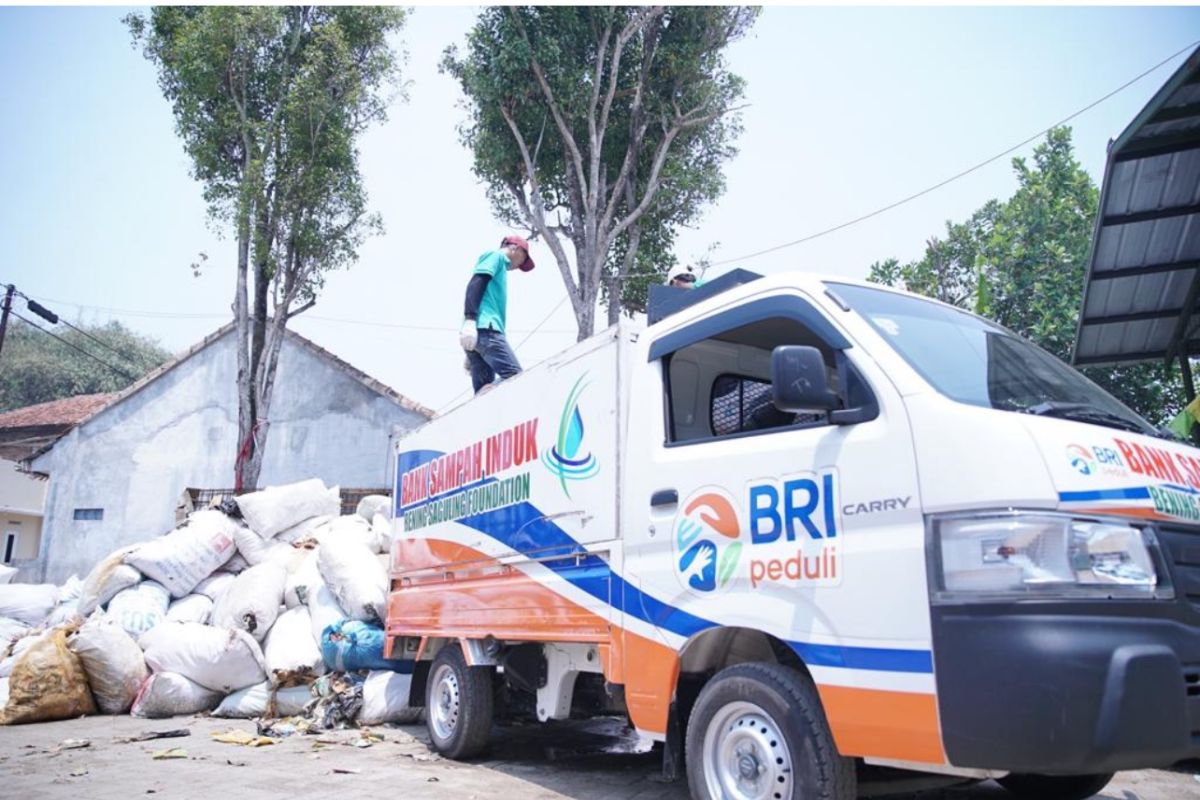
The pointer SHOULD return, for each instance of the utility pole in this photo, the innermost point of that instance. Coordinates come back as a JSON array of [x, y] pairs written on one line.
[[8, 296]]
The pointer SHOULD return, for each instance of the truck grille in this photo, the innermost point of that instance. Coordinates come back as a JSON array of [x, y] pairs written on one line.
[[1183, 549]]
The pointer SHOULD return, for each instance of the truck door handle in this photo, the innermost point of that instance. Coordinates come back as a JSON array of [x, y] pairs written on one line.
[[664, 497]]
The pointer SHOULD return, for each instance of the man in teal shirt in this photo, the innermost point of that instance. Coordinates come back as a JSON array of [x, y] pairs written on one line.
[[482, 331]]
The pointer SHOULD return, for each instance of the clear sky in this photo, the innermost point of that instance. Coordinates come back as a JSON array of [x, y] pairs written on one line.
[[850, 109]]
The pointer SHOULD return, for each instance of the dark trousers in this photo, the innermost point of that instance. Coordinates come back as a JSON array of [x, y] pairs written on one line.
[[491, 357]]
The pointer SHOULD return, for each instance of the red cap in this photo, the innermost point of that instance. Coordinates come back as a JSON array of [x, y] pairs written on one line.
[[527, 264]]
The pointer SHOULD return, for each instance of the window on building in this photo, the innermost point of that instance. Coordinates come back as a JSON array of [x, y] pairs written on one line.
[[10, 546], [89, 513]]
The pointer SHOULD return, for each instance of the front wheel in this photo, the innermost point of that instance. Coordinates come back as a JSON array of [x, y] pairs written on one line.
[[1054, 787], [458, 704], [758, 732]]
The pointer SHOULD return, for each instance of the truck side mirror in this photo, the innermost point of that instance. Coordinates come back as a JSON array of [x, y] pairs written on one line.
[[798, 381]]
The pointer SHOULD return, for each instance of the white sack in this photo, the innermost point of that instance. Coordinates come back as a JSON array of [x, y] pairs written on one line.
[[237, 564], [113, 662], [290, 650], [252, 602], [166, 694], [288, 557], [107, 578], [382, 526], [188, 554], [220, 659], [193, 608], [303, 530], [251, 546], [385, 699], [71, 589], [357, 579], [30, 603], [64, 614], [140, 608], [215, 585], [257, 551], [3, 693], [353, 529], [304, 582], [374, 504], [7, 573], [277, 508], [324, 609], [253, 701], [18, 648], [10, 629]]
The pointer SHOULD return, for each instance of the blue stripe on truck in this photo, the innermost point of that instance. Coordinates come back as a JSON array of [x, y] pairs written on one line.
[[526, 530]]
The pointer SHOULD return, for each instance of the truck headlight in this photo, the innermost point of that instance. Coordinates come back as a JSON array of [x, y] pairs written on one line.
[[1039, 555]]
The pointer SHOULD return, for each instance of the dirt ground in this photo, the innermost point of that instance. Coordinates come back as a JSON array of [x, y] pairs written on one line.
[[584, 761]]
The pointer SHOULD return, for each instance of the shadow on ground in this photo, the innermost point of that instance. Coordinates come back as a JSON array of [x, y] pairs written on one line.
[[603, 758]]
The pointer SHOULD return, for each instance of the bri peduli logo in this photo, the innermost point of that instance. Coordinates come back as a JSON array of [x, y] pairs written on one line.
[[1081, 459], [706, 541], [566, 458]]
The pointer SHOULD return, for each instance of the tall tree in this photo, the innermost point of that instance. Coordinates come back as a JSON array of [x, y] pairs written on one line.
[[37, 368], [269, 102], [1021, 263], [604, 126]]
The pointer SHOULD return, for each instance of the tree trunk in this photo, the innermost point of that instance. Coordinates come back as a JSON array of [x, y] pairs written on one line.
[[586, 318], [245, 390], [614, 300]]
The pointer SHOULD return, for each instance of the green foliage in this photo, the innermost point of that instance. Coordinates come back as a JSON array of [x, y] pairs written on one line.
[[607, 126], [1021, 262], [37, 368], [268, 102]]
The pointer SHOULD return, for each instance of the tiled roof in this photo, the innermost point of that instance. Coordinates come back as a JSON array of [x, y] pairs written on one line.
[[66, 412]]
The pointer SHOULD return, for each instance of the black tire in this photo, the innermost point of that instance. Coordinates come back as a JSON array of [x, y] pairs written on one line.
[[458, 704], [1054, 787], [764, 713]]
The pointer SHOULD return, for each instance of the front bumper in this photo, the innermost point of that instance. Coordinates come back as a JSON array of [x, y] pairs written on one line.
[[1068, 688]]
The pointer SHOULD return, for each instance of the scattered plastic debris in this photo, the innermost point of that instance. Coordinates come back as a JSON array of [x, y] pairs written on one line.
[[243, 738], [174, 752]]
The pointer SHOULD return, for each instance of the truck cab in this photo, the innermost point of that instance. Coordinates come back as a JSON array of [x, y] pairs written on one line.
[[808, 532]]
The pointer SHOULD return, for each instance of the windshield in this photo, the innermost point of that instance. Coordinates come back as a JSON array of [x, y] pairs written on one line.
[[974, 361]]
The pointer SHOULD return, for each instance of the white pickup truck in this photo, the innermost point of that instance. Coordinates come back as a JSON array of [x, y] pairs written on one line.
[[811, 534]]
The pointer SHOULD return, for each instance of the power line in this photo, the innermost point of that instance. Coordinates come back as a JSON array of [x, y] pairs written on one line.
[[117, 370], [54, 319], [175, 315], [962, 174]]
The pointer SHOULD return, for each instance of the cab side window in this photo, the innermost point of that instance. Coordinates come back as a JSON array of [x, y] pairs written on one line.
[[721, 385]]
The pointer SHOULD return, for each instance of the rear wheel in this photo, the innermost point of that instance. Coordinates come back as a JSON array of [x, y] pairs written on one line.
[[1054, 787], [757, 732], [458, 704]]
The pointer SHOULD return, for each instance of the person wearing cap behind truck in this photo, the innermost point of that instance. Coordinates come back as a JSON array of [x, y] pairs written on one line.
[[683, 280], [482, 331]]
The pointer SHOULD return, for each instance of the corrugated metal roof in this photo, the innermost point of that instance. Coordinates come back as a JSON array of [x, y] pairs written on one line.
[[1143, 277]]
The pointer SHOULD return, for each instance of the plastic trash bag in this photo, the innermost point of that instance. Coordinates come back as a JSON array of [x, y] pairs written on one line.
[[353, 645], [47, 683]]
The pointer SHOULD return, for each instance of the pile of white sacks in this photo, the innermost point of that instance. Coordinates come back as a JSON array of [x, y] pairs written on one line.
[[222, 614]]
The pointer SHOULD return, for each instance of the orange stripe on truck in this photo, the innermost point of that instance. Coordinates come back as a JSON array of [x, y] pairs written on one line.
[[875, 722], [460, 592]]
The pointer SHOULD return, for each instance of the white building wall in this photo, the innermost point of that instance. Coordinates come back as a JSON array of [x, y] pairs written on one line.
[[135, 459]]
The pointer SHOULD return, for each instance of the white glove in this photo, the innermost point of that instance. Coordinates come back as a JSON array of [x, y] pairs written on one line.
[[468, 336]]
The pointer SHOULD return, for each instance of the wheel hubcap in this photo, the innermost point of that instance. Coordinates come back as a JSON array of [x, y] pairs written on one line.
[[444, 703], [745, 756]]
